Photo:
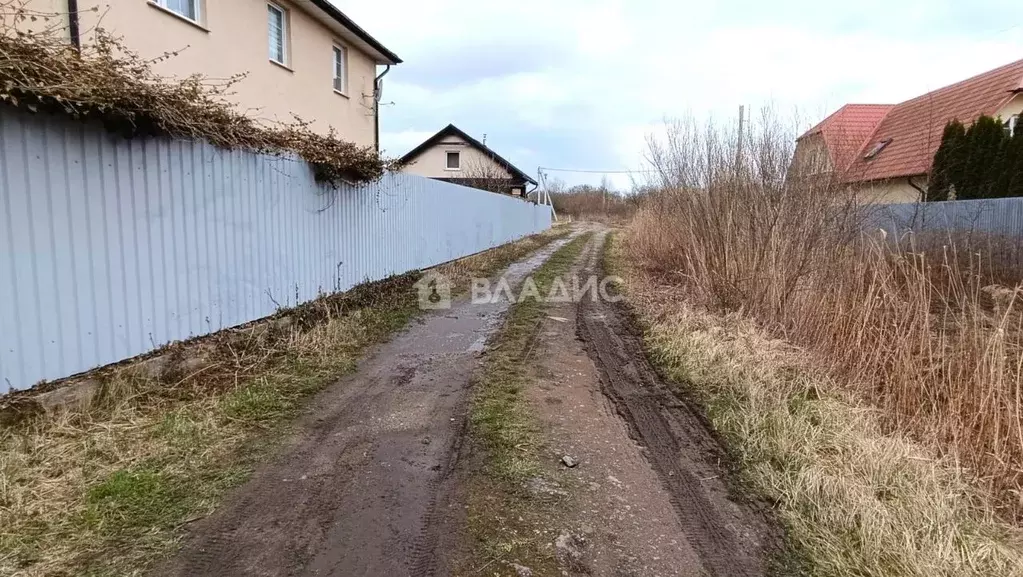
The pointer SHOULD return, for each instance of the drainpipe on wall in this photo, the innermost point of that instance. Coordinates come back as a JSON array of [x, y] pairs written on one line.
[[73, 26], [923, 193], [377, 93], [526, 193]]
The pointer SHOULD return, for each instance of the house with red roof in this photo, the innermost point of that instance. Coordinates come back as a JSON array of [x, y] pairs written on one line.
[[884, 151]]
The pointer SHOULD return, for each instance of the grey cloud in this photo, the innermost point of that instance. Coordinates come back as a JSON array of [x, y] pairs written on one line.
[[447, 67]]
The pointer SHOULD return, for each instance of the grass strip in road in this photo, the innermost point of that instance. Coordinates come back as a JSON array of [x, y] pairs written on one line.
[[488, 263], [109, 489], [855, 498], [502, 512]]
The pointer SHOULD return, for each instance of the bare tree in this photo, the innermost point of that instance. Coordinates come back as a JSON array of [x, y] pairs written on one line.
[[556, 186], [484, 173]]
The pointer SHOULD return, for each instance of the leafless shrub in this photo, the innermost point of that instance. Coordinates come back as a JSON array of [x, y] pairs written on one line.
[[602, 202], [107, 81], [484, 173]]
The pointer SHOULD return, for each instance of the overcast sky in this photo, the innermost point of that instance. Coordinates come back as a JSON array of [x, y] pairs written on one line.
[[578, 84]]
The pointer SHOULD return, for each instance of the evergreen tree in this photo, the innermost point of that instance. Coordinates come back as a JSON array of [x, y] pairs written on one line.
[[1003, 170], [984, 150], [1014, 166], [948, 162], [981, 161]]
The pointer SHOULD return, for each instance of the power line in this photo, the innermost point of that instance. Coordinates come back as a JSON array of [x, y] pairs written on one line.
[[545, 169]]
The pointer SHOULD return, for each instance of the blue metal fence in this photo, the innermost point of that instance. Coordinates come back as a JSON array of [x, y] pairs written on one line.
[[110, 248]]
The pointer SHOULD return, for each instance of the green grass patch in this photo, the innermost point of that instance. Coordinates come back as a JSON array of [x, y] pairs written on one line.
[[130, 499], [503, 513]]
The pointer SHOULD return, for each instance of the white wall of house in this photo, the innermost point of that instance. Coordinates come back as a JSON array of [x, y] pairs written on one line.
[[1012, 108], [811, 156], [432, 162], [894, 191]]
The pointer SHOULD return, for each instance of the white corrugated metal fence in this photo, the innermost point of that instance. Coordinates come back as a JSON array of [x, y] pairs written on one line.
[[110, 248], [1002, 216]]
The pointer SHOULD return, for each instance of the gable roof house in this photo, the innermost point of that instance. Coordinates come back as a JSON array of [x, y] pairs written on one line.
[[884, 151], [453, 156], [301, 58]]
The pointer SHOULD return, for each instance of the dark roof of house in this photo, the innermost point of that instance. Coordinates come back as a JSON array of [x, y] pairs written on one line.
[[452, 130], [347, 22], [905, 136]]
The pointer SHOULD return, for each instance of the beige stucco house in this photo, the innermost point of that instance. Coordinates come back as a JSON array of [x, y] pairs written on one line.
[[302, 58], [884, 152], [452, 155]]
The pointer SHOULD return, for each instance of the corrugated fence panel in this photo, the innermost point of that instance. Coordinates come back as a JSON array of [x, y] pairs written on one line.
[[111, 248], [997, 216]]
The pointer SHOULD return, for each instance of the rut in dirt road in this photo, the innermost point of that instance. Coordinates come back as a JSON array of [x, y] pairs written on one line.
[[356, 490], [731, 538]]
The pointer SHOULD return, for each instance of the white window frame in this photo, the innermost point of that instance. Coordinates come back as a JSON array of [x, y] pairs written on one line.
[[285, 24], [196, 4], [458, 155], [343, 50]]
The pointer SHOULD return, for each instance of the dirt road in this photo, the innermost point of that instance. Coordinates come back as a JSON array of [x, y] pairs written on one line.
[[364, 488], [634, 430], [355, 491]]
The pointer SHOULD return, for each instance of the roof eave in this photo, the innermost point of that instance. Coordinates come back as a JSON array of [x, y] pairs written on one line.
[[381, 53], [808, 134], [848, 180]]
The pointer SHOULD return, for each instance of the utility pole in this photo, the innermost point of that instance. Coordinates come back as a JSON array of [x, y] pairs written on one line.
[[738, 149], [546, 195], [605, 184]]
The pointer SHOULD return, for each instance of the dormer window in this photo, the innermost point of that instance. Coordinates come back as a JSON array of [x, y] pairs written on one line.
[[877, 149]]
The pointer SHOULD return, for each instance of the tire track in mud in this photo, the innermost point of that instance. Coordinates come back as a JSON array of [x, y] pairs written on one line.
[[731, 538]]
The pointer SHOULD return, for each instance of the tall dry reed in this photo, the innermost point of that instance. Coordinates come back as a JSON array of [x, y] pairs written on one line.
[[926, 328]]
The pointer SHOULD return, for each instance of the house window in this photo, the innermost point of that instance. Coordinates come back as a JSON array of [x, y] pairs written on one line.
[[278, 33], [341, 69], [454, 162], [185, 8], [1011, 125]]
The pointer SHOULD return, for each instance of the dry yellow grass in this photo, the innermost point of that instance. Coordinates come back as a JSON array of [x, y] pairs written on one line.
[[856, 500], [871, 385]]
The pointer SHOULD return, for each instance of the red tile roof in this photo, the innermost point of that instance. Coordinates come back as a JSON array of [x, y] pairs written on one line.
[[846, 131], [913, 127]]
